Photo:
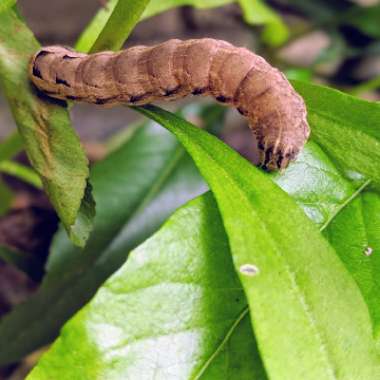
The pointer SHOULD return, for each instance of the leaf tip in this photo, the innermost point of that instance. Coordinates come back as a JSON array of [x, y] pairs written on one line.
[[80, 231]]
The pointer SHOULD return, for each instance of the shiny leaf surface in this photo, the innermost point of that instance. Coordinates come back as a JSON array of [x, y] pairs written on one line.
[[325, 193], [130, 206], [277, 253], [175, 310], [345, 127]]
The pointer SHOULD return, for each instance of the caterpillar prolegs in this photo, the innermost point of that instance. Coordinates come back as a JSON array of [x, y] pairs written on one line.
[[174, 69]]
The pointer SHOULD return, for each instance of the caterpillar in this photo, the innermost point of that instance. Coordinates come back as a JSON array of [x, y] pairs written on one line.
[[174, 69]]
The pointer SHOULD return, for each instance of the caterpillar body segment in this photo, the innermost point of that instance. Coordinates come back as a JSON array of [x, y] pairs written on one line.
[[174, 69]]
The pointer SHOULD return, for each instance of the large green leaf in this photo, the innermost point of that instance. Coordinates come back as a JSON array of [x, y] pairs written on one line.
[[52, 145], [302, 187], [332, 191], [175, 310], [282, 260], [313, 181], [136, 188], [348, 130], [325, 194]]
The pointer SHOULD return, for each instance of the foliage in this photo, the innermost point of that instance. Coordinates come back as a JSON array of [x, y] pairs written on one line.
[[302, 278], [346, 127], [267, 276], [119, 24], [256, 12], [189, 286], [44, 126], [129, 208]]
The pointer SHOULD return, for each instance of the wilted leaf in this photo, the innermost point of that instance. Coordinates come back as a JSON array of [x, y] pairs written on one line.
[[51, 144]]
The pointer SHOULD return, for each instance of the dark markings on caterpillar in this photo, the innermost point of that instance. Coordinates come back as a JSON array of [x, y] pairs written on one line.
[[199, 91], [174, 69], [61, 81], [223, 99], [68, 58], [72, 97], [36, 71]]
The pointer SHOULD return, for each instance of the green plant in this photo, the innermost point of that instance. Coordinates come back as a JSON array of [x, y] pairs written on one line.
[[266, 276]]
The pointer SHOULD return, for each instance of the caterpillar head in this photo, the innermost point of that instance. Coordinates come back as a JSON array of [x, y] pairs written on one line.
[[277, 150], [39, 68]]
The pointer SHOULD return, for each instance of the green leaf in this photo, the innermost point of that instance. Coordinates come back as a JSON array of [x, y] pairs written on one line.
[[6, 4], [312, 180], [321, 188], [111, 26], [348, 131], [355, 235], [279, 258], [96, 29], [158, 6], [312, 167], [346, 211], [299, 73], [176, 310], [10, 146], [6, 197], [317, 185], [347, 128], [51, 144], [136, 188], [22, 172], [256, 12]]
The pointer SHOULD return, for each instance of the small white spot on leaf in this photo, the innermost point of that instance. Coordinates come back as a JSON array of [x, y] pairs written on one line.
[[249, 269], [368, 251]]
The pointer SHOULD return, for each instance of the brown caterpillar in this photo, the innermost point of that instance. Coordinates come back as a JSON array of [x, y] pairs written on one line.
[[174, 69]]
